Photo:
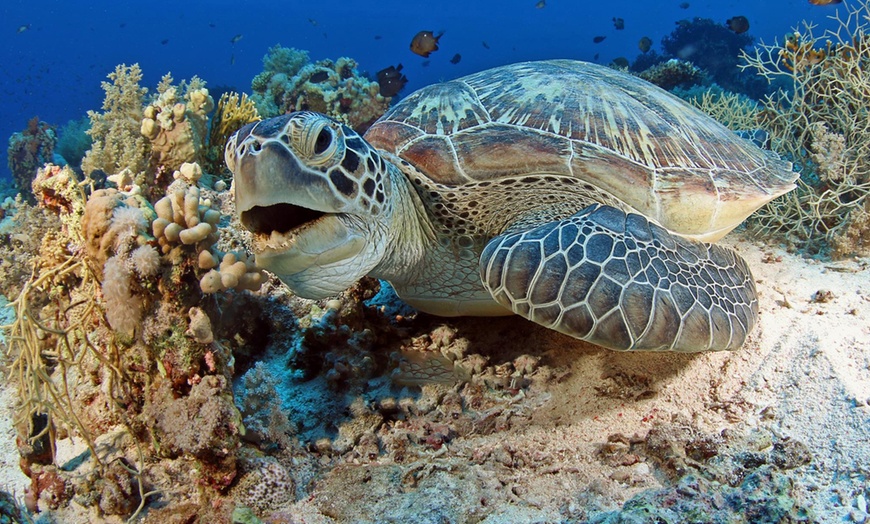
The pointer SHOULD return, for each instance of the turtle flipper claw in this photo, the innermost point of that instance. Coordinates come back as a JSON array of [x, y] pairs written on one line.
[[619, 281]]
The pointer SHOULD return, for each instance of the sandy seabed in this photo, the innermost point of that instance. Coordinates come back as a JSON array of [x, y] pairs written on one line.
[[610, 426]]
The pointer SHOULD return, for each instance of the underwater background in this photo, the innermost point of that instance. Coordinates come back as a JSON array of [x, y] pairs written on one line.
[[152, 371], [53, 54]]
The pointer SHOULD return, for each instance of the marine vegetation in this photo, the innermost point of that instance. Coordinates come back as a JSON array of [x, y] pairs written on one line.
[[820, 122]]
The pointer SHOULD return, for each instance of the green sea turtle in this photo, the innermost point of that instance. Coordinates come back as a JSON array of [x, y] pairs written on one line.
[[574, 195]]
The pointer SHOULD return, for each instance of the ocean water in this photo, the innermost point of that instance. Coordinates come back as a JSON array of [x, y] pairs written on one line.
[[54, 54]]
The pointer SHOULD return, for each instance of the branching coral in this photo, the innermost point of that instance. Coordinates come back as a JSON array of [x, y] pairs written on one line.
[[736, 111], [821, 123], [117, 143], [233, 111], [333, 88]]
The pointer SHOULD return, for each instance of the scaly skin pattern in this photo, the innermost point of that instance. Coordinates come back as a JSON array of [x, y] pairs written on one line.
[[619, 281]]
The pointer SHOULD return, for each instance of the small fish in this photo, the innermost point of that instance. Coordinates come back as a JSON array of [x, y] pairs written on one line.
[[644, 44], [318, 77], [122, 25], [232, 59], [595, 57], [425, 43], [378, 37], [541, 4], [684, 5], [312, 21], [23, 28], [164, 41], [456, 58], [738, 24], [619, 23], [426, 63], [391, 80], [620, 62], [236, 38], [485, 45], [814, 2], [212, 25], [598, 39]]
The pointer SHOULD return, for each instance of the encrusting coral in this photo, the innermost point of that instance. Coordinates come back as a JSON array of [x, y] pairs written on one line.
[[335, 88], [819, 123], [176, 124], [29, 150]]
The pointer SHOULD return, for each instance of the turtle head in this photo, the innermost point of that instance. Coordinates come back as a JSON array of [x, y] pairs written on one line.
[[315, 195]]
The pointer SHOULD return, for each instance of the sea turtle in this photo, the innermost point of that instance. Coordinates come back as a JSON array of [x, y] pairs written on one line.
[[574, 195]]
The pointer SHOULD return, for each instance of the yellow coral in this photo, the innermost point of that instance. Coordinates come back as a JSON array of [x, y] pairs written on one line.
[[233, 111], [737, 112]]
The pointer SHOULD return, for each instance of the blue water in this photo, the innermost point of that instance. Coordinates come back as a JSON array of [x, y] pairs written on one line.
[[54, 68]]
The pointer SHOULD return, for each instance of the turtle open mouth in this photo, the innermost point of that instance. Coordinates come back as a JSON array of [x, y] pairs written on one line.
[[278, 221]]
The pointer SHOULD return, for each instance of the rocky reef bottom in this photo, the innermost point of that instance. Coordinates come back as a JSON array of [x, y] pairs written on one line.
[[366, 412]]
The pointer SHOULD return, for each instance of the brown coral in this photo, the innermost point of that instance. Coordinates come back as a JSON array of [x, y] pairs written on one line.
[[176, 125]]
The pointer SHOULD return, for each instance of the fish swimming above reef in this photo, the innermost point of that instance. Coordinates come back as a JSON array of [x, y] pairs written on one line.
[[456, 58], [485, 45], [541, 4], [825, 2], [318, 77], [738, 24], [684, 5], [598, 39], [618, 23], [23, 28], [236, 38], [644, 44], [425, 43], [391, 80]]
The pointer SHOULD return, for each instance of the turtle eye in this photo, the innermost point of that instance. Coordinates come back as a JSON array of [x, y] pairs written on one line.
[[321, 143]]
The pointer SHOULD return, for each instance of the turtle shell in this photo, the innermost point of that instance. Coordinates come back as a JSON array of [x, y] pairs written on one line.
[[628, 138]]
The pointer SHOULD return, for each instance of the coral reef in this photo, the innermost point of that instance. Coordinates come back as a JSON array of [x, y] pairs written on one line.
[[28, 151], [74, 142], [176, 124], [204, 424], [233, 111], [117, 143], [736, 111], [57, 190], [817, 123], [334, 88], [713, 47], [673, 73]]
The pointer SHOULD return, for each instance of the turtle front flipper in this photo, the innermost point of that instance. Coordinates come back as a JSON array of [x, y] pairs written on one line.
[[622, 282]]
